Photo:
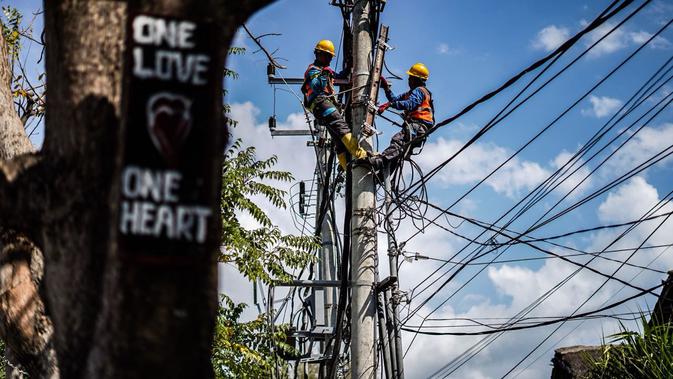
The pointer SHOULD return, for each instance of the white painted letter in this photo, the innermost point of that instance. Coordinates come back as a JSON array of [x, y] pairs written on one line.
[[143, 29]]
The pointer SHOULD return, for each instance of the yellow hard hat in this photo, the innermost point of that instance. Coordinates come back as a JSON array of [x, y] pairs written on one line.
[[326, 46], [420, 71]]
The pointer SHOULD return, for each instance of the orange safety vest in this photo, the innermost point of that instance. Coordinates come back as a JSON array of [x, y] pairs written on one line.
[[306, 88], [425, 111]]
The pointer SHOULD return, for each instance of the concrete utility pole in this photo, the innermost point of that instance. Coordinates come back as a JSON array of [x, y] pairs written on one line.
[[363, 221], [327, 267]]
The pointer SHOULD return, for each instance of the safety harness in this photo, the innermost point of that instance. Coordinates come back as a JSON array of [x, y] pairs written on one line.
[[425, 111], [307, 89]]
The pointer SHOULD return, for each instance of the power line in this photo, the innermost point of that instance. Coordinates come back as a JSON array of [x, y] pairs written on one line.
[[587, 300], [515, 205], [479, 346], [597, 22], [562, 114], [640, 313], [539, 324], [658, 157]]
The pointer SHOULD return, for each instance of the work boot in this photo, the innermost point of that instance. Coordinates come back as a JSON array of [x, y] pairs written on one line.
[[353, 146]]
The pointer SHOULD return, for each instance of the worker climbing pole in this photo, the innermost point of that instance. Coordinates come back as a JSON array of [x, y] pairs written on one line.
[[318, 90], [418, 116]]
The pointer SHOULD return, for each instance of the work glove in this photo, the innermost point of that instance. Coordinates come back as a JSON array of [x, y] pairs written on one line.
[[383, 107], [384, 82]]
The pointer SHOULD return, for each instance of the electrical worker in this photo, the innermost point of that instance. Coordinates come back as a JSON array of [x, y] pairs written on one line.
[[319, 98], [418, 117]]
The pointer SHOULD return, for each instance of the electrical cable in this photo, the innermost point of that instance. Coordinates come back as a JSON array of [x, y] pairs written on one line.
[[542, 323], [529, 141]]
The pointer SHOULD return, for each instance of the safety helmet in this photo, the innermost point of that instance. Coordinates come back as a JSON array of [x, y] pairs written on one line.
[[420, 71], [326, 46]]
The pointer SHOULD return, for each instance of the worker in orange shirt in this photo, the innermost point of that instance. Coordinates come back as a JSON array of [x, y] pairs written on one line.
[[418, 111], [318, 90]]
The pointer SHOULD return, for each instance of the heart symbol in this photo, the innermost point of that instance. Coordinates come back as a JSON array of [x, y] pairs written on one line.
[[169, 122]]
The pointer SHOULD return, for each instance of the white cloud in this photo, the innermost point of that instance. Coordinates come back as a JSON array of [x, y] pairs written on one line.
[[443, 48], [480, 159], [620, 39], [602, 106], [628, 201], [641, 37], [519, 286], [550, 37], [293, 154], [476, 162], [573, 175], [644, 145], [617, 40]]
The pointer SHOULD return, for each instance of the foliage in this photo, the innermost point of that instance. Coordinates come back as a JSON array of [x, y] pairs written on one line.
[[263, 253], [3, 361], [235, 50], [251, 349], [634, 355], [11, 30], [244, 349], [28, 92], [228, 73]]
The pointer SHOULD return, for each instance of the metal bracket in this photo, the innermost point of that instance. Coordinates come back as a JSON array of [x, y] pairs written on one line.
[[386, 283], [386, 45], [368, 130], [371, 106]]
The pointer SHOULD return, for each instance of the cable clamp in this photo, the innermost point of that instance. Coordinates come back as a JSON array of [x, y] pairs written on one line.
[[367, 130], [371, 106], [386, 45], [399, 296]]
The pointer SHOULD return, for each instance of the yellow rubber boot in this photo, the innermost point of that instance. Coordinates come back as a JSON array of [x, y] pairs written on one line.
[[342, 160], [353, 146]]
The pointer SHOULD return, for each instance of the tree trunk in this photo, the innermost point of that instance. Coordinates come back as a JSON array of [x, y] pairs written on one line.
[[111, 318], [23, 323]]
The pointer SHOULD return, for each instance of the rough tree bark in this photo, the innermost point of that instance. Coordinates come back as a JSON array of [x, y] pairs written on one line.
[[23, 323], [111, 319]]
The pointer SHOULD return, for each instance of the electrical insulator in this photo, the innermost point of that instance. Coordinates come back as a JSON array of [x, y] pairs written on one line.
[[272, 123], [302, 196], [270, 70]]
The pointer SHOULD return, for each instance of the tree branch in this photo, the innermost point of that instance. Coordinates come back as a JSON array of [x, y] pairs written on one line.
[[269, 56]]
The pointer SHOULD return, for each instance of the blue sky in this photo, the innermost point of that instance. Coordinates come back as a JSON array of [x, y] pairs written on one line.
[[471, 47]]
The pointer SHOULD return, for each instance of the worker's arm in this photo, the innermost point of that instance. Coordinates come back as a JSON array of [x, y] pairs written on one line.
[[342, 75], [414, 101], [389, 93]]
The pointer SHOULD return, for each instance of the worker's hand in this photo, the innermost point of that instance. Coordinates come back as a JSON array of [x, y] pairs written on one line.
[[384, 82], [328, 71], [383, 107]]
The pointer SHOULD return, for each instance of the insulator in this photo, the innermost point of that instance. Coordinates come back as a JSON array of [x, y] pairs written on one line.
[[272, 123], [270, 70], [302, 198]]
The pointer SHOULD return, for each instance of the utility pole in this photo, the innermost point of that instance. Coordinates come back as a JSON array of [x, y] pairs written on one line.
[[327, 268], [363, 221], [394, 336]]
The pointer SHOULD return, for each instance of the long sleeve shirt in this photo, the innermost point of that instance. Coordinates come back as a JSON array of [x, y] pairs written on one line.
[[320, 83], [407, 101]]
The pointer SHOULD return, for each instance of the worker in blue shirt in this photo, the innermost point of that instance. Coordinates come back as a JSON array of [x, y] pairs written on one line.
[[319, 98], [418, 114]]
